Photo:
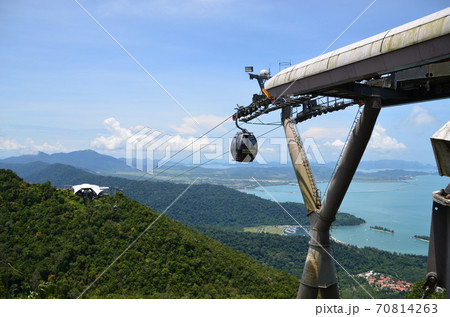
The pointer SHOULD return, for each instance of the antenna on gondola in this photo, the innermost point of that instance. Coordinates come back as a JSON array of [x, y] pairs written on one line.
[[244, 145]]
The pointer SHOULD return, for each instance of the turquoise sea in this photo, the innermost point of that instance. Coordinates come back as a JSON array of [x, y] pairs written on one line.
[[403, 207]]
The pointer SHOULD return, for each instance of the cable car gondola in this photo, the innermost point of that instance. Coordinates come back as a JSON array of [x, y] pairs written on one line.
[[244, 146]]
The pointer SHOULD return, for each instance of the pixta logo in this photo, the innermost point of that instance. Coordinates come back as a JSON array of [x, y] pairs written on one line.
[[148, 149]]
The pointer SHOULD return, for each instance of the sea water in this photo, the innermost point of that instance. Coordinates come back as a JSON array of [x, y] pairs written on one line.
[[404, 207]]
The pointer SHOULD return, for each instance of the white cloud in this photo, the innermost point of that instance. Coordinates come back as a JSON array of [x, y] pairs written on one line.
[[380, 141], [117, 138], [204, 144], [29, 146], [335, 143], [9, 144], [420, 116], [193, 125], [185, 128], [47, 148], [177, 142]]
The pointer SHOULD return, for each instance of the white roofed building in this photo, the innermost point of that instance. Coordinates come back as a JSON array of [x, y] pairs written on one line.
[[88, 190]]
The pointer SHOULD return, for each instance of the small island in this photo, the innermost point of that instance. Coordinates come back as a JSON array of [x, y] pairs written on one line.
[[421, 238], [378, 228]]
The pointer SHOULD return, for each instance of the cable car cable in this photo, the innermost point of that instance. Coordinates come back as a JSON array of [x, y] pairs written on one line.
[[204, 134], [358, 113], [179, 151], [214, 158], [245, 132], [201, 147], [263, 123]]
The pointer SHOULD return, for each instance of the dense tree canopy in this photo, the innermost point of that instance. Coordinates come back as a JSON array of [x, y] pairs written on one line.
[[203, 204], [55, 244], [288, 253]]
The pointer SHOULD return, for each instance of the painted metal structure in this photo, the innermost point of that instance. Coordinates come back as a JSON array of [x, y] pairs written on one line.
[[421, 42], [438, 264], [299, 159], [407, 64]]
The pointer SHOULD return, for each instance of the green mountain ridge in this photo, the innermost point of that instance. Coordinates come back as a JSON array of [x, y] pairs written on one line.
[[86, 159], [53, 245], [283, 253], [204, 204]]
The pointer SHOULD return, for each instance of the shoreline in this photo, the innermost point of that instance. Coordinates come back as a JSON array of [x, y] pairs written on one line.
[[382, 230], [339, 241], [276, 182], [283, 183], [360, 235], [420, 239]]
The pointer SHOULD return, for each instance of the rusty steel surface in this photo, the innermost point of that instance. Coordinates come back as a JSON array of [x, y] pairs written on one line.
[[319, 271], [300, 162]]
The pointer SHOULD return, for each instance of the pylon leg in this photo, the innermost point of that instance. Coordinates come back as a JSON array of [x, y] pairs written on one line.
[[320, 272]]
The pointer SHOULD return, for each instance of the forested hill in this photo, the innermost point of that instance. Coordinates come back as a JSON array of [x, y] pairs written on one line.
[[288, 253], [204, 204], [53, 245]]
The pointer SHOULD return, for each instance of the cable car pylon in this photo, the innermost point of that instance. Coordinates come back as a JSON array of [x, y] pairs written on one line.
[[392, 68], [319, 273]]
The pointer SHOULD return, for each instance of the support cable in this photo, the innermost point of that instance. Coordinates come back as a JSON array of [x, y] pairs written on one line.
[[191, 144], [190, 155], [355, 120], [135, 240], [354, 21], [198, 138], [318, 243], [214, 158]]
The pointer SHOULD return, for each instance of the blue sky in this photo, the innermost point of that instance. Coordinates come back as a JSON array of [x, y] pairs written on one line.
[[65, 85]]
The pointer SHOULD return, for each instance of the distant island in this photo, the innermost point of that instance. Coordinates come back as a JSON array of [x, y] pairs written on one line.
[[378, 228], [422, 238]]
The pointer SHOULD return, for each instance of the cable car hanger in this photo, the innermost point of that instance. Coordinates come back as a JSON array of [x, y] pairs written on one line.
[[236, 121]]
